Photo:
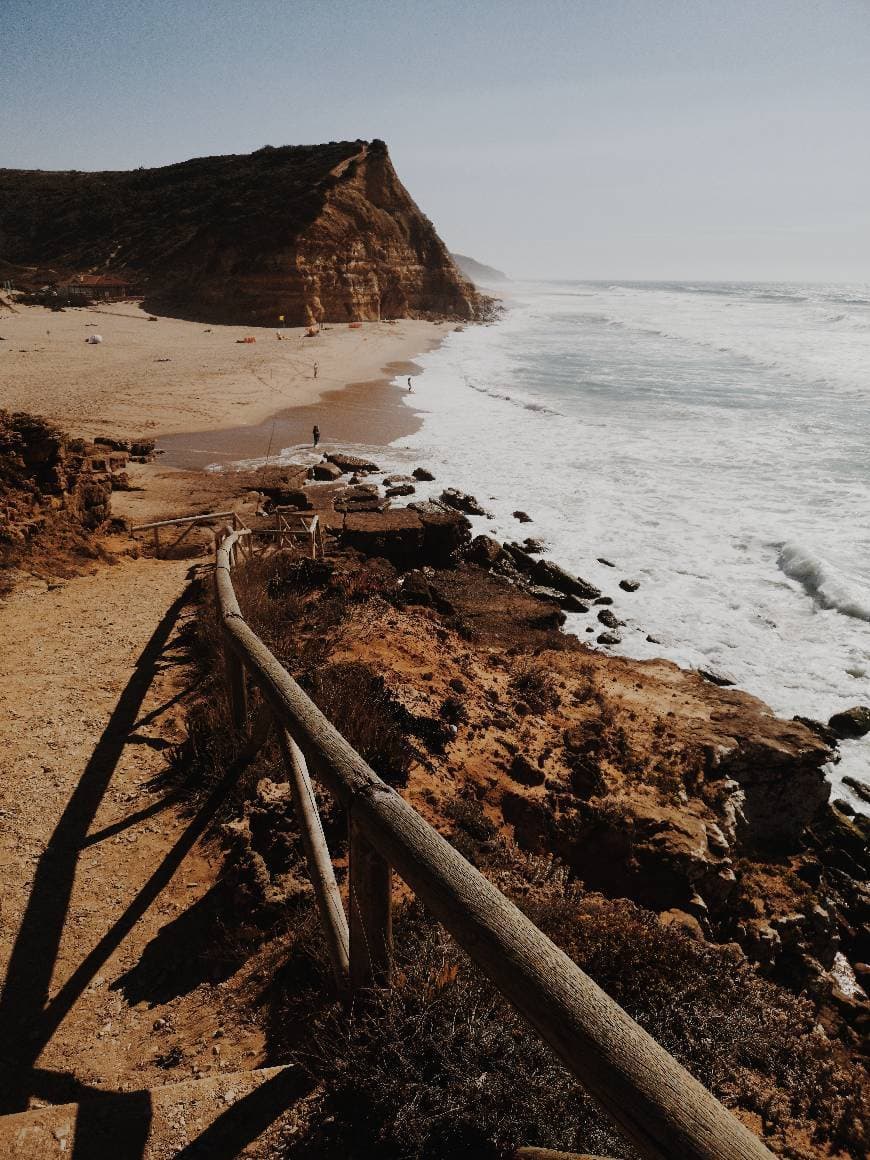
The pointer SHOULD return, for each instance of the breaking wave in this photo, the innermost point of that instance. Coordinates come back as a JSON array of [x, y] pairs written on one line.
[[823, 582]]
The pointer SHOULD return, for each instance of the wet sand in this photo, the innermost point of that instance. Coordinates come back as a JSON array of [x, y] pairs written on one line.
[[360, 415]]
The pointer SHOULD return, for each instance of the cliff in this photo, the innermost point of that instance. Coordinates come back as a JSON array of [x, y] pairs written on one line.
[[479, 273], [316, 233]]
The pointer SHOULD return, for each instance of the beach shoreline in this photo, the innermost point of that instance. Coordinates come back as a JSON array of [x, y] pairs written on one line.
[[365, 414], [168, 378]]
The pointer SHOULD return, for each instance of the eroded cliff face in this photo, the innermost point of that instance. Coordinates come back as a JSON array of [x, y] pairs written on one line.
[[315, 233], [372, 254]]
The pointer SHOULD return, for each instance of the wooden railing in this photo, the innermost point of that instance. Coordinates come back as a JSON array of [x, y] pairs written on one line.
[[654, 1101], [185, 525], [290, 526]]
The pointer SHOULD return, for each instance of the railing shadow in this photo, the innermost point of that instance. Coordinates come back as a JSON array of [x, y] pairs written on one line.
[[115, 1124], [247, 1119], [24, 1026]]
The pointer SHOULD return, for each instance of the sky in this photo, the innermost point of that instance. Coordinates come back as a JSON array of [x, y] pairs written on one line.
[[616, 139]]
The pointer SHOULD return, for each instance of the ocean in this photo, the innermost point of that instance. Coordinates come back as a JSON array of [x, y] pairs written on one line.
[[711, 440]]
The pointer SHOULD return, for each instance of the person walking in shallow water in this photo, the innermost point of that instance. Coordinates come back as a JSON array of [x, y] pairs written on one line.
[[410, 388], [315, 434], [315, 370]]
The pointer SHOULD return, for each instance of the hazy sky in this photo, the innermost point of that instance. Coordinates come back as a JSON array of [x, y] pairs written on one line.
[[590, 138]]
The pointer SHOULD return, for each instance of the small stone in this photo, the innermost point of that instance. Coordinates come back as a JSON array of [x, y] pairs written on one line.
[[484, 550], [861, 788], [686, 923], [854, 722], [629, 585], [608, 619], [609, 638], [326, 471], [460, 501], [607, 563], [523, 517], [422, 474], [715, 677]]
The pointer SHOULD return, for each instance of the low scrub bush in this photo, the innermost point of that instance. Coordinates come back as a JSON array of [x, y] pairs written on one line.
[[357, 702], [536, 686], [438, 1066]]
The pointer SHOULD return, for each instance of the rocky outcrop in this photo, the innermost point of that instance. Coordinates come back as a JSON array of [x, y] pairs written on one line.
[[422, 533], [646, 781], [781, 777], [554, 576], [477, 272], [314, 233], [46, 477], [461, 501], [345, 463], [854, 722]]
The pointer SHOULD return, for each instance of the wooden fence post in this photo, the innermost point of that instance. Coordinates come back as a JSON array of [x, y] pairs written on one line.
[[371, 914], [320, 869]]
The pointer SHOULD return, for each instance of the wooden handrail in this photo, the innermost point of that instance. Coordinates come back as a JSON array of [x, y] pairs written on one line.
[[204, 517], [653, 1100]]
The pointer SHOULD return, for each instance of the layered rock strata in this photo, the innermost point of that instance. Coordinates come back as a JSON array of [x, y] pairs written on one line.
[[313, 233]]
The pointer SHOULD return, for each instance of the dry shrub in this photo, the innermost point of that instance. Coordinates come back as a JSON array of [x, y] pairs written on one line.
[[271, 592], [535, 684], [474, 835], [211, 745], [467, 815], [585, 683], [437, 1066], [751, 1042], [441, 1066], [357, 702]]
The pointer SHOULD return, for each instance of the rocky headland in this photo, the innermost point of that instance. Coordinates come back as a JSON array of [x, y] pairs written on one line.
[[314, 233]]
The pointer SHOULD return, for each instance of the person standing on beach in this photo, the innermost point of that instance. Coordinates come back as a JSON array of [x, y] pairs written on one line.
[[315, 434], [410, 388], [315, 370]]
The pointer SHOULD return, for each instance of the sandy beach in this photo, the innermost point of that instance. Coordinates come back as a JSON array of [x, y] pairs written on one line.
[[172, 377]]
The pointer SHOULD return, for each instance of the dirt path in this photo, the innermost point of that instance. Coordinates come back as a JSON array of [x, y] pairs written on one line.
[[100, 869]]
